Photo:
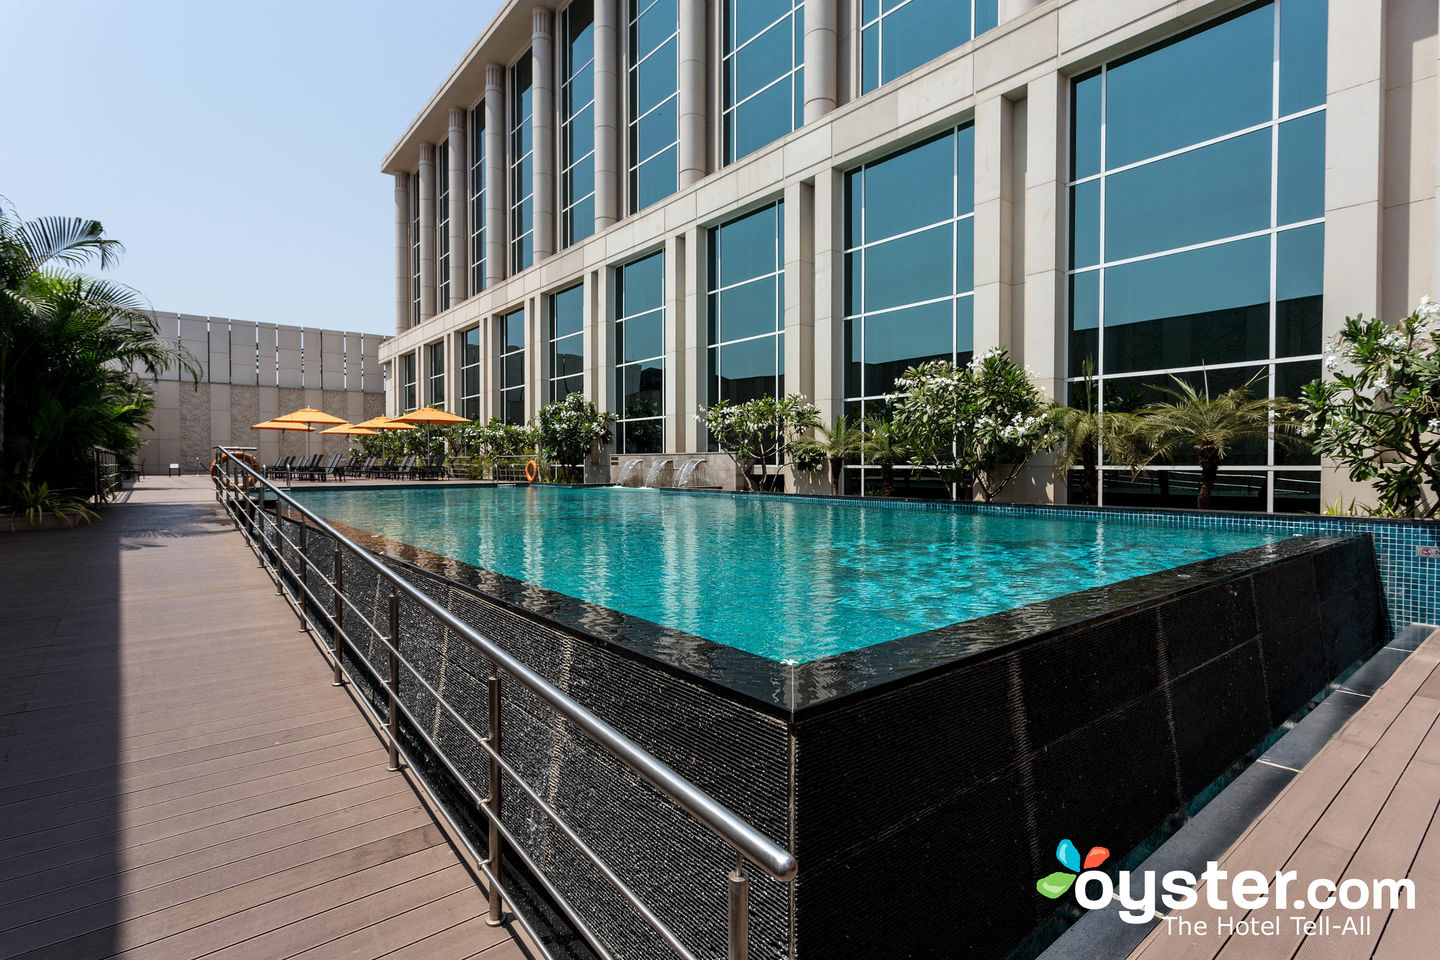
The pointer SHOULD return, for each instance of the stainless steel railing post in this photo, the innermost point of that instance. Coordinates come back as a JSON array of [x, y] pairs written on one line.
[[496, 915], [337, 578], [739, 891], [394, 719], [279, 537], [304, 575]]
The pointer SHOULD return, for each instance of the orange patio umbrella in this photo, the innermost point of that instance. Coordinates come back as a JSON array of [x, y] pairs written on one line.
[[351, 430], [384, 423], [430, 415], [283, 425], [309, 415]]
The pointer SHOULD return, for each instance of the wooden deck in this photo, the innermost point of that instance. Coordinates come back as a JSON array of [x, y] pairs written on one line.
[[178, 778], [1368, 807]]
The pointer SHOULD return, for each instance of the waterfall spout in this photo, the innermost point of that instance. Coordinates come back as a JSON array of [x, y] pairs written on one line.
[[660, 473], [630, 475], [693, 473]]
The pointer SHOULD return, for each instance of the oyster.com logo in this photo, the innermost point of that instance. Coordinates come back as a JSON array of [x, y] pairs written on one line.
[[1056, 884]]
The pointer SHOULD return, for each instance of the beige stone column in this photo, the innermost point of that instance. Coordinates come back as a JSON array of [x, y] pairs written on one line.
[[497, 227], [1010, 9], [692, 386], [402, 252], [993, 277], [459, 196], [1044, 242], [607, 113], [821, 46], [799, 319], [542, 93], [691, 100], [679, 385], [600, 340], [427, 231], [537, 343], [829, 299]]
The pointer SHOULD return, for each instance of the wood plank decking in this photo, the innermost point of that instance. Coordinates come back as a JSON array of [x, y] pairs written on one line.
[[1368, 807], [178, 778]]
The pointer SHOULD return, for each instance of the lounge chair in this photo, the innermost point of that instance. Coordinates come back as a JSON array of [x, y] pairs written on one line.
[[279, 468]]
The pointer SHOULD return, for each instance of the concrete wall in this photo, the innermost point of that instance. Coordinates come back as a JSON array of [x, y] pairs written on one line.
[[252, 372], [1382, 171]]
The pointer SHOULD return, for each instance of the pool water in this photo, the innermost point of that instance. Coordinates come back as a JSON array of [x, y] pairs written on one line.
[[790, 580]]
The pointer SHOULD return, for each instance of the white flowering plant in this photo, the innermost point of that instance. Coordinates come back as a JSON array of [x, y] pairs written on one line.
[[569, 428], [976, 426], [765, 430], [1377, 409]]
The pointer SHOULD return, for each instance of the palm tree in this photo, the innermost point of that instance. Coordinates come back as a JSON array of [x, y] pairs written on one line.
[[842, 441], [884, 446], [1085, 430], [1212, 426]]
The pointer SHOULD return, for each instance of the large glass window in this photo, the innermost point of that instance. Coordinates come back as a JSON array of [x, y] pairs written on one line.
[[522, 168], [512, 367], [746, 307], [896, 36], [762, 73], [577, 122], [477, 199], [442, 224], [640, 355], [470, 374], [567, 342], [435, 371], [653, 85], [414, 249], [1197, 205], [909, 264], [408, 398]]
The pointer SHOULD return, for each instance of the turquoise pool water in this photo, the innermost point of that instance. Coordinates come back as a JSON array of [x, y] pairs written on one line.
[[785, 579]]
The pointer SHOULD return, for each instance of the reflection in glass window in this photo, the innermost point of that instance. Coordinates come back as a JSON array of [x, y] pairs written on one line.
[[470, 374], [407, 383], [640, 355], [577, 122], [746, 307], [477, 199], [762, 74], [1196, 218], [567, 343], [414, 248], [653, 97], [522, 168], [442, 225], [435, 369], [896, 36], [512, 367]]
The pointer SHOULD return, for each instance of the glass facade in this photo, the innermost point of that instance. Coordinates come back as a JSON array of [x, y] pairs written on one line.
[[567, 343], [896, 36], [442, 225], [763, 60], [477, 199], [1197, 230], [640, 355], [408, 399], [909, 265], [470, 374], [414, 248], [512, 367], [435, 374], [522, 167], [653, 84], [746, 307], [577, 122]]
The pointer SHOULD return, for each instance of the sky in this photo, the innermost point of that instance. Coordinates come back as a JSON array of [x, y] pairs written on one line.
[[234, 148]]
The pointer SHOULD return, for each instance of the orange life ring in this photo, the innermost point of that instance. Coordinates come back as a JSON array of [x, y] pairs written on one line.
[[532, 470]]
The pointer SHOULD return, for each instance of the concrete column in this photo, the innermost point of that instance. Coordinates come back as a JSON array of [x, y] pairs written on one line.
[[829, 296], [1044, 244], [993, 192], [497, 227], [459, 194], [1010, 9], [488, 360], [427, 231], [685, 318], [542, 92], [402, 252], [537, 344], [600, 340], [692, 92], [607, 113], [799, 319], [821, 45], [679, 387]]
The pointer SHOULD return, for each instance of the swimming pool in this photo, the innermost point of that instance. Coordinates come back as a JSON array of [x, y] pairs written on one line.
[[787, 579]]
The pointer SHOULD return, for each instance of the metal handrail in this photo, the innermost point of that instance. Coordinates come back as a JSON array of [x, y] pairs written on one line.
[[748, 843]]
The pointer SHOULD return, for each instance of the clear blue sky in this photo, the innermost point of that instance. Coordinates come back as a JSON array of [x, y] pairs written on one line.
[[234, 148]]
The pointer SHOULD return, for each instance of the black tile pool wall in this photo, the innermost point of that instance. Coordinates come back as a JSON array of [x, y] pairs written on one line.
[[926, 812]]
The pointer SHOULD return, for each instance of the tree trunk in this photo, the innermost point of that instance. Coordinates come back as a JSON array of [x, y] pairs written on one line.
[[837, 468], [887, 479], [1090, 472], [1209, 469]]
